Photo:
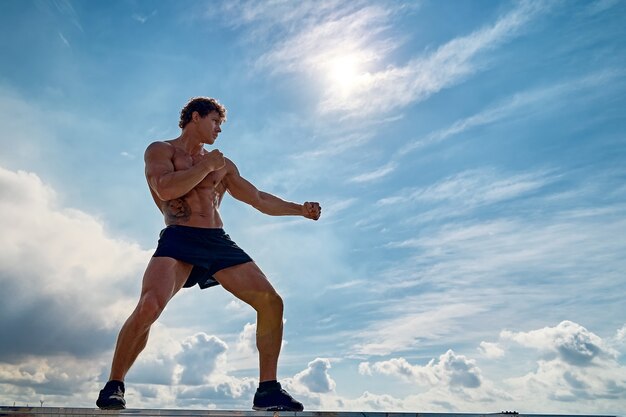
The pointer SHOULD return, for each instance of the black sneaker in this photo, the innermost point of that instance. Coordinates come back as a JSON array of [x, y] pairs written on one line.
[[275, 399], [112, 396]]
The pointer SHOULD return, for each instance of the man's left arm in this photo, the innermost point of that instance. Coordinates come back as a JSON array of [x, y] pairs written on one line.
[[266, 203]]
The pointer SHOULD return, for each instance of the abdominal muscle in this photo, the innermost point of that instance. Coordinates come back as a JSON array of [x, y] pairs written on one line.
[[197, 208]]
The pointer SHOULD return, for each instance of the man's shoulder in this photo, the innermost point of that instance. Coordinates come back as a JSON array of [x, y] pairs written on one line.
[[161, 144], [160, 147], [230, 166]]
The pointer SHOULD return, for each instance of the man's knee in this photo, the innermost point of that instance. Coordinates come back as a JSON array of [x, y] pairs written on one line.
[[269, 301], [149, 308]]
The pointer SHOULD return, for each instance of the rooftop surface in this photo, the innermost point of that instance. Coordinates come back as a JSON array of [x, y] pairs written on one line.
[[93, 412]]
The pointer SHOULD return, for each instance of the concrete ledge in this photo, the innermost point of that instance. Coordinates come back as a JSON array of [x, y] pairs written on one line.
[[94, 412]]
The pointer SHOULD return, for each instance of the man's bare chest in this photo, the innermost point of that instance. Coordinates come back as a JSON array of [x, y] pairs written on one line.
[[212, 182]]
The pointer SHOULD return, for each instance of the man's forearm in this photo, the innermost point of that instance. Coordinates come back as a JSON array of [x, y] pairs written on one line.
[[274, 206], [177, 184]]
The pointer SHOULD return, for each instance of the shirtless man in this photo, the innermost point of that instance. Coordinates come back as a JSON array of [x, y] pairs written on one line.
[[188, 183]]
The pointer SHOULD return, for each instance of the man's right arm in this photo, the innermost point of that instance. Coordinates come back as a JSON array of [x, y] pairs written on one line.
[[164, 180]]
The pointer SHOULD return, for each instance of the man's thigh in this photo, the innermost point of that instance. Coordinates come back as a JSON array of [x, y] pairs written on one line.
[[245, 281], [165, 276]]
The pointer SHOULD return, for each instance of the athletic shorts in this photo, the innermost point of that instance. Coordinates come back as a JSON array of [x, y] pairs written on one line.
[[208, 250]]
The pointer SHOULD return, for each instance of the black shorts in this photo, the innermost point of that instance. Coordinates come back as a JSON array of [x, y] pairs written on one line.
[[208, 250]]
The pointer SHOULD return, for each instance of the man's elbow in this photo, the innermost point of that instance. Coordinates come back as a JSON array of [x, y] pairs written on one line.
[[164, 193], [165, 196], [259, 206], [259, 203]]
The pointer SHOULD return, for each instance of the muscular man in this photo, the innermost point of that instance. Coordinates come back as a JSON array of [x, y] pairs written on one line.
[[188, 183]]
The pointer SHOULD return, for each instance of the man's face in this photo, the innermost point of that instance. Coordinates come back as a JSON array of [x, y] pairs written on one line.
[[209, 127]]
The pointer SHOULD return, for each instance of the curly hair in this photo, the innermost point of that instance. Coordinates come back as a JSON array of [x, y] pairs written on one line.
[[204, 106]]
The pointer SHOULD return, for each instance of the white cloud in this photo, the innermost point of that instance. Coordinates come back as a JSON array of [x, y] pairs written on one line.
[[201, 356], [235, 306], [474, 188], [157, 363], [272, 16], [491, 350], [67, 287], [333, 43], [316, 378], [247, 339], [64, 10], [572, 343], [67, 283], [54, 376], [348, 284], [227, 391], [621, 334], [581, 375], [358, 34], [600, 6], [471, 260], [373, 402], [399, 367], [335, 146], [64, 39], [194, 372], [521, 105], [450, 382], [375, 174], [582, 371], [483, 268], [421, 77], [450, 370], [481, 252], [333, 208], [143, 18], [316, 388], [330, 37], [404, 328]]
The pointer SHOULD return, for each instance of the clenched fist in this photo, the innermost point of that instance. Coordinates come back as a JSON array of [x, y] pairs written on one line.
[[214, 159], [311, 210]]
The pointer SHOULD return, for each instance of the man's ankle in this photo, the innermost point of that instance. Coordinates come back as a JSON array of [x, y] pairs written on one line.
[[269, 385], [115, 382]]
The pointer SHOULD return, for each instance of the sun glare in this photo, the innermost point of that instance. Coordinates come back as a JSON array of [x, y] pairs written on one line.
[[344, 73]]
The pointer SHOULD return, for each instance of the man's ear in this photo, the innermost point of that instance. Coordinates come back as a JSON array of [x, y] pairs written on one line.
[[195, 116]]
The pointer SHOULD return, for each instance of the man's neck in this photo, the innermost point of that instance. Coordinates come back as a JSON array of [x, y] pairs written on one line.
[[190, 142]]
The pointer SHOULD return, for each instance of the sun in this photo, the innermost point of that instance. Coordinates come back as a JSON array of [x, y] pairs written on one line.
[[344, 73]]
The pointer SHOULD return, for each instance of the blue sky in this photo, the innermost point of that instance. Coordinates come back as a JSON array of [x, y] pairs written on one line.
[[469, 157]]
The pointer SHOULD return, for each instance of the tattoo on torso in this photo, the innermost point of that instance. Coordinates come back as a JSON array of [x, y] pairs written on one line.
[[178, 210]]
